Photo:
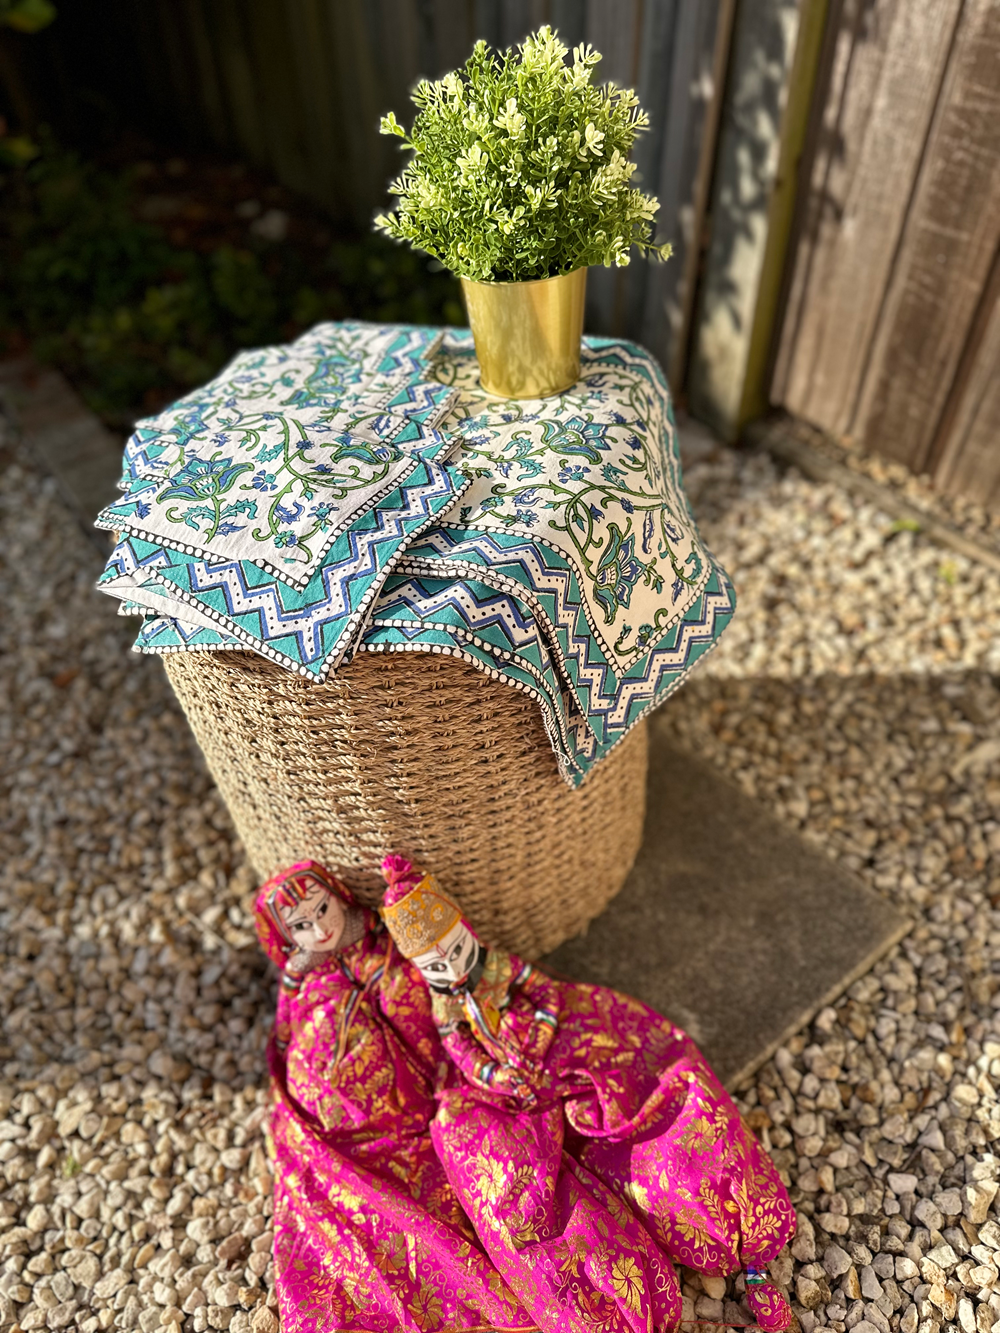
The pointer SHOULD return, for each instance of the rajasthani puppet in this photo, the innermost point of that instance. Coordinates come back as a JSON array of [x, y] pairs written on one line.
[[368, 1233], [586, 1137]]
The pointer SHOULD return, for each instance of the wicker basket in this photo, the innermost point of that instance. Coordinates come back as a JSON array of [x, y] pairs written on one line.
[[426, 756]]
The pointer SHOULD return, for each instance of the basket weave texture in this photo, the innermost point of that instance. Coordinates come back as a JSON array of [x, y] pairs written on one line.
[[425, 756]]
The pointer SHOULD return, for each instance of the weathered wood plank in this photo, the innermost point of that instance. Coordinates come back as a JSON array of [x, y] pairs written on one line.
[[751, 138], [950, 236], [969, 461], [238, 77], [683, 136], [205, 71], [887, 74], [615, 31], [284, 115]]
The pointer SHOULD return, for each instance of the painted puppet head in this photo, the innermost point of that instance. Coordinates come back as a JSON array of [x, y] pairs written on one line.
[[301, 908], [427, 926]]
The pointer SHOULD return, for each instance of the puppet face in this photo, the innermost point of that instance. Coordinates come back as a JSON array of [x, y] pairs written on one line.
[[451, 959], [316, 924]]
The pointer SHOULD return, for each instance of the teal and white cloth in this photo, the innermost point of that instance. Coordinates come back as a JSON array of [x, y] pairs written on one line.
[[357, 491]]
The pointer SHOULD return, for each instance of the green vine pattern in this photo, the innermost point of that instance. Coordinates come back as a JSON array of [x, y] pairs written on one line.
[[586, 472]]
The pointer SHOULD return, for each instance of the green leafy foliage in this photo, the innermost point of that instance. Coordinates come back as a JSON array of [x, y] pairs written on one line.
[[519, 167], [27, 15], [135, 317]]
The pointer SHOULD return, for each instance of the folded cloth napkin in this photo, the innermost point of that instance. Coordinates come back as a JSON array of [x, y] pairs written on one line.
[[357, 490]]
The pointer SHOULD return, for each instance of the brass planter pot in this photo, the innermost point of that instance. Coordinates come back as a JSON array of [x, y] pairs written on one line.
[[527, 333]]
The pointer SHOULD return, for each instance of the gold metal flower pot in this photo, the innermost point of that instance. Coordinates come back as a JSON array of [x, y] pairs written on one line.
[[527, 333]]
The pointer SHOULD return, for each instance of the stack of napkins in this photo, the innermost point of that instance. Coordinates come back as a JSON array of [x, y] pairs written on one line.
[[357, 491], [293, 481]]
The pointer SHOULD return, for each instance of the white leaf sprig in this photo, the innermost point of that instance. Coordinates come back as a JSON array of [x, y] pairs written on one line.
[[519, 167]]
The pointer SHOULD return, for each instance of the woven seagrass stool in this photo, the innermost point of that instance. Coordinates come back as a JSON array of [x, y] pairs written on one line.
[[426, 756]]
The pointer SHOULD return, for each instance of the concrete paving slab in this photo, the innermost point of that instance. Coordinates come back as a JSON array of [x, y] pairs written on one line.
[[730, 923], [69, 440]]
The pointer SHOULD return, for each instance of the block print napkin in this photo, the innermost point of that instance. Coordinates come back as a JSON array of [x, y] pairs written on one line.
[[328, 362], [404, 416], [594, 476], [310, 630], [165, 634], [279, 496]]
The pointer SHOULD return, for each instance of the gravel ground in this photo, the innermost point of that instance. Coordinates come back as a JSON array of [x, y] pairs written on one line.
[[854, 695], [980, 524]]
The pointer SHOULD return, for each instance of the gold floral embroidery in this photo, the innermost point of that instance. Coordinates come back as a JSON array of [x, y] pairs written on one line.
[[626, 1278]]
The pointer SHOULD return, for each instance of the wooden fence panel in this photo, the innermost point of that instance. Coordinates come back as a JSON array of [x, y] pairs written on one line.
[[682, 150], [613, 30], [890, 338], [678, 68], [968, 461], [945, 252], [890, 61], [203, 92]]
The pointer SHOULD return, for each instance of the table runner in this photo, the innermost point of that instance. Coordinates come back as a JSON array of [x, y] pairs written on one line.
[[356, 490]]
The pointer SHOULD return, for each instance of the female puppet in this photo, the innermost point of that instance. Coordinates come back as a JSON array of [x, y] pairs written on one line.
[[574, 1114], [369, 1235]]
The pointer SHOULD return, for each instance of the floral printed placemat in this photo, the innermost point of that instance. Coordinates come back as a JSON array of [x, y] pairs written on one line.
[[278, 497], [309, 630], [405, 416]]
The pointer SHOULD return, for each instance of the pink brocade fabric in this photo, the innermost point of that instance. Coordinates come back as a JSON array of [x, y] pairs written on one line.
[[411, 1197], [623, 1153], [369, 1235]]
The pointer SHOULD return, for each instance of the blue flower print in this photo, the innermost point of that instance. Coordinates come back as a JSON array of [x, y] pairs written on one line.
[[526, 516], [289, 516], [220, 441], [570, 472], [228, 527], [285, 539], [617, 573], [264, 481], [321, 513], [627, 505], [576, 436], [203, 479]]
